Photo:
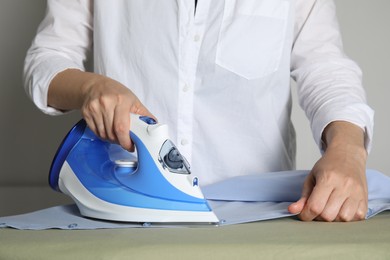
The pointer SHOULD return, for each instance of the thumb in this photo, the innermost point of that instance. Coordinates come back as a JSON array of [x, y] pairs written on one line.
[[297, 207]]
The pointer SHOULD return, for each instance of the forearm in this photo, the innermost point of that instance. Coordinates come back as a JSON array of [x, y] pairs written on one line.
[[68, 88]]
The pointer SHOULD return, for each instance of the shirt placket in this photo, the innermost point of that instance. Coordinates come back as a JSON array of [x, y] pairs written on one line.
[[191, 37]]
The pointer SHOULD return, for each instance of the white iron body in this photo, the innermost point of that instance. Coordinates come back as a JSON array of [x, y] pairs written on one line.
[[107, 182]]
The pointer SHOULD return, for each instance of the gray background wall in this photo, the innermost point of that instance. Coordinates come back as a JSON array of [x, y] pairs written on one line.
[[28, 139]]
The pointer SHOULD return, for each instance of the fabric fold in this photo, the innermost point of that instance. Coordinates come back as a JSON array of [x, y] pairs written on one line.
[[236, 200]]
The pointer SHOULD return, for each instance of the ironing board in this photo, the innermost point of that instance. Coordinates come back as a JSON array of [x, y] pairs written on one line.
[[275, 239], [286, 238]]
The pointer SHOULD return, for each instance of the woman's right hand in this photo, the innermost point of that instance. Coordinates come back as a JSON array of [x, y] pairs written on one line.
[[105, 103]]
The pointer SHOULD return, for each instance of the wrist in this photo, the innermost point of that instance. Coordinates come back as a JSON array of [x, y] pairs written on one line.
[[344, 135], [88, 82]]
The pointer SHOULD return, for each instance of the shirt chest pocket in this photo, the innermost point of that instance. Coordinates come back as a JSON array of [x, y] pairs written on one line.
[[252, 36]]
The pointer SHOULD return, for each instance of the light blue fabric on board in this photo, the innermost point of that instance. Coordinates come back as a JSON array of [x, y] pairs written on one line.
[[235, 200]]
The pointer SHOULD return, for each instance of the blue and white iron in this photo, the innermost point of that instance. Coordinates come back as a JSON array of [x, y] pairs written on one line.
[[109, 183]]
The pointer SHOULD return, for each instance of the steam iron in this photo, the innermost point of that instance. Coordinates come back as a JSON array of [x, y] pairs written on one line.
[[107, 182]]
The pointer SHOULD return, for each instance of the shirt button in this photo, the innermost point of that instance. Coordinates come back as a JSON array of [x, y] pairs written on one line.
[[196, 38], [184, 141], [186, 88]]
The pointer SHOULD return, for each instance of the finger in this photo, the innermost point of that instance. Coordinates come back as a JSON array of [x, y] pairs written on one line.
[[108, 122], [100, 111], [122, 127], [95, 126], [352, 210], [333, 207], [348, 210], [139, 109], [94, 119], [99, 125], [308, 186], [91, 124], [362, 210], [297, 207], [316, 202]]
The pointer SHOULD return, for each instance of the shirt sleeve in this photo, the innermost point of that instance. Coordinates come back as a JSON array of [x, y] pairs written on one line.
[[329, 84], [63, 41]]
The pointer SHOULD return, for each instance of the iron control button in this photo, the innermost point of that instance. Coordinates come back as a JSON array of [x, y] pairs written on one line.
[[148, 120]]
